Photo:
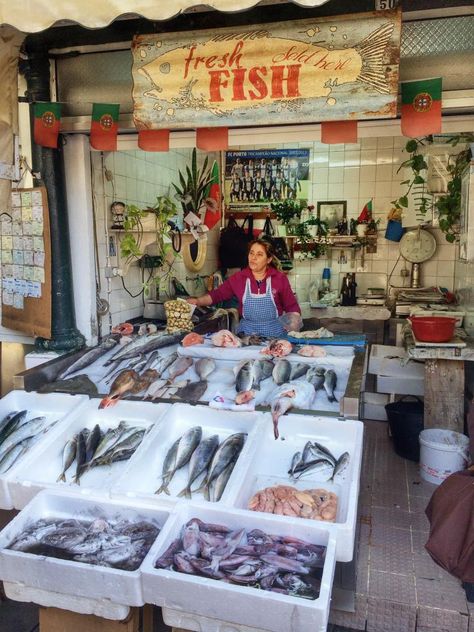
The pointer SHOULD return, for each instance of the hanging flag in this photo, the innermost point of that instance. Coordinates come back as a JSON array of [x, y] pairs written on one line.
[[333, 132], [421, 107], [366, 213], [47, 123], [212, 138], [154, 139], [104, 126], [213, 199]]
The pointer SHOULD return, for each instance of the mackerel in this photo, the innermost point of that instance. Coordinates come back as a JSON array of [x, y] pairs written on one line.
[[90, 356], [227, 452], [199, 461], [186, 446], [69, 454]]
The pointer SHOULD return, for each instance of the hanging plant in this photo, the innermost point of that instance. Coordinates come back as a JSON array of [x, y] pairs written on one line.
[[417, 164]]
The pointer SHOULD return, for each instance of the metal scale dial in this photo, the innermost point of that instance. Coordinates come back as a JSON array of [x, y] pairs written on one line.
[[416, 247]]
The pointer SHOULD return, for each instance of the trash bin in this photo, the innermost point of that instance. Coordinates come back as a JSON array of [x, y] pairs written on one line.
[[405, 419]]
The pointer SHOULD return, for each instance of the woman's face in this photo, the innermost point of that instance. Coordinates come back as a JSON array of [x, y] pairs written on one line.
[[258, 259]]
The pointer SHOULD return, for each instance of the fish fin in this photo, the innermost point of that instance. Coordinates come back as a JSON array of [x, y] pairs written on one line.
[[186, 492], [163, 488], [372, 50], [61, 477], [106, 402], [275, 428]]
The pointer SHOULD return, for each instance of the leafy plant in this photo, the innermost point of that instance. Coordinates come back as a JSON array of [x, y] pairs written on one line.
[[309, 246], [417, 163], [193, 185], [448, 205], [287, 210]]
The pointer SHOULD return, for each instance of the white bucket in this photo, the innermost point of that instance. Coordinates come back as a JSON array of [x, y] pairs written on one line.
[[442, 452]]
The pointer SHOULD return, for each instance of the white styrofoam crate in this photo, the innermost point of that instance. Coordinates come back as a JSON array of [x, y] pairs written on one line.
[[201, 599], [272, 461], [42, 472], [373, 406], [400, 385], [142, 477], [71, 577], [50, 405]]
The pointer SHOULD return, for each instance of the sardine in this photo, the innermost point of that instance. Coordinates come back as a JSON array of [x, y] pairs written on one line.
[[204, 367], [341, 464], [199, 461], [11, 423], [281, 371], [320, 450], [89, 357], [184, 450], [294, 462], [316, 464], [13, 455], [226, 453], [69, 454], [330, 382], [146, 344]]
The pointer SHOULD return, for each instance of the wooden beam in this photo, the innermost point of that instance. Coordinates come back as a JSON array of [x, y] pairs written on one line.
[[444, 394]]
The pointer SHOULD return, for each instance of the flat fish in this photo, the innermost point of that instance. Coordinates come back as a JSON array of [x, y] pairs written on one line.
[[204, 367], [78, 384], [179, 366], [192, 392]]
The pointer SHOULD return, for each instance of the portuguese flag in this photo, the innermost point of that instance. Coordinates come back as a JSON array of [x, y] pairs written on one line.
[[213, 199], [421, 107], [366, 213], [47, 122], [104, 126]]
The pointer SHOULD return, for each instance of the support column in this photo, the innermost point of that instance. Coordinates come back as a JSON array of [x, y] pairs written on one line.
[[48, 164], [444, 394]]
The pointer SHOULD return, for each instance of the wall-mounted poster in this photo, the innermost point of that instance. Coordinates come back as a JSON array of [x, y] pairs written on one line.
[[318, 69], [255, 178]]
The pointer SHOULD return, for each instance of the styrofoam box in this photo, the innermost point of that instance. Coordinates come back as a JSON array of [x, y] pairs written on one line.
[[401, 385], [200, 597], [143, 476], [379, 355], [70, 577], [51, 405], [273, 459], [42, 472], [373, 406]]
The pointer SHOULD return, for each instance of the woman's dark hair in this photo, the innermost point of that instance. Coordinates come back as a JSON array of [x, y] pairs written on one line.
[[267, 245]]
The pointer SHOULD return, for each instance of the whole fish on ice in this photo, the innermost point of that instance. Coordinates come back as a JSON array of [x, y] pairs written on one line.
[[290, 395], [90, 356], [146, 344]]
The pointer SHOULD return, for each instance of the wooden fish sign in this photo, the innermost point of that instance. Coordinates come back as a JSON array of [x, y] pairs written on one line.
[[333, 68]]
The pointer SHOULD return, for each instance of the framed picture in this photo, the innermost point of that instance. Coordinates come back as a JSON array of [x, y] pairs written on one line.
[[332, 213]]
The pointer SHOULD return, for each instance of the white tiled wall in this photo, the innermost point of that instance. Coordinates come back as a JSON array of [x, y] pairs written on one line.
[[356, 173], [137, 177]]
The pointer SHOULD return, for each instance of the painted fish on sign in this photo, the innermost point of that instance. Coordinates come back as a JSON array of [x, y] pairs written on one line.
[[320, 69]]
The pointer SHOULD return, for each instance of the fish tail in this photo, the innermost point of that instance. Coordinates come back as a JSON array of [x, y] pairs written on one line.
[[207, 492], [372, 50], [163, 488], [275, 428], [107, 401], [186, 492], [61, 477]]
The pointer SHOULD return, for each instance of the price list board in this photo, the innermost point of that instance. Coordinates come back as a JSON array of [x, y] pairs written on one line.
[[25, 259]]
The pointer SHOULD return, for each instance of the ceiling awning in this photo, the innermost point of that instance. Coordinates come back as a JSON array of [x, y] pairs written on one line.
[[31, 16]]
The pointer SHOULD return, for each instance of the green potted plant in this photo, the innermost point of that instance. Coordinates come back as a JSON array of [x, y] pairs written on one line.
[[288, 212], [192, 186]]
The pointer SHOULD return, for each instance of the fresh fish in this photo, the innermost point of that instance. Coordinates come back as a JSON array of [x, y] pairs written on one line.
[[320, 450], [80, 457], [330, 382], [165, 362], [146, 344], [144, 380], [307, 450], [154, 389], [226, 453], [179, 366], [184, 450], [249, 374], [110, 438], [13, 455], [199, 461], [152, 358], [298, 369], [221, 482], [298, 394], [310, 466], [204, 367], [123, 384], [192, 392], [315, 376], [281, 371], [265, 367], [79, 384], [294, 462], [69, 454], [90, 356], [25, 431], [341, 464], [11, 423], [92, 442], [122, 450]]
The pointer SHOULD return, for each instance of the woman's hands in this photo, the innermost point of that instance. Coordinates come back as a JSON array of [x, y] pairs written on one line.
[[193, 301], [201, 301]]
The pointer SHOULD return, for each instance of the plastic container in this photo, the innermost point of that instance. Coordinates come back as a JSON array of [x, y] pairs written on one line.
[[442, 452], [405, 419], [432, 328], [394, 230]]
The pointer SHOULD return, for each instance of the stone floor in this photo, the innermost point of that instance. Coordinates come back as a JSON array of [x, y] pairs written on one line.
[[399, 587]]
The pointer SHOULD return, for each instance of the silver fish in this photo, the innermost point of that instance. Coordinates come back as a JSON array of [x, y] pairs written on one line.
[[111, 436], [89, 357], [316, 464], [184, 450], [165, 362], [11, 423], [192, 392], [204, 367], [26, 430], [315, 376], [320, 450], [246, 376], [69, 454], [294, 462], [146, 344], [92, 442], [341, 464], [179, 366], [80, 457], [153, 390], [281, 371], [221, 482], [199, 461], [298, 369], [13, 455], [226, 453], [330, 382]]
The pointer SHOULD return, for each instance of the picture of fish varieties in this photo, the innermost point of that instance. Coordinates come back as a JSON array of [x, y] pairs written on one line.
[[95, 448], [209, 458], [253, 558], [19, 431], [120, 544]]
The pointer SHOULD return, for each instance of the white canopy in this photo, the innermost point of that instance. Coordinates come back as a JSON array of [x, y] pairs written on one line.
[[31, 16]]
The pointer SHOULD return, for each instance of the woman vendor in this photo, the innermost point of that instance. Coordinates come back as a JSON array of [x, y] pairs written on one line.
[[263, 292]]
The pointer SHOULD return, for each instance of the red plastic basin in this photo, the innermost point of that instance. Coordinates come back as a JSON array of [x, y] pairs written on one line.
[[433, 328]]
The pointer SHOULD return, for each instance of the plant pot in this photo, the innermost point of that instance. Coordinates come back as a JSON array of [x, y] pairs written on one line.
[[361, 230]]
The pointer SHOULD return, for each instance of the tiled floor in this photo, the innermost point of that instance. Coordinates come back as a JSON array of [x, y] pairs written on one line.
[[399, 587]]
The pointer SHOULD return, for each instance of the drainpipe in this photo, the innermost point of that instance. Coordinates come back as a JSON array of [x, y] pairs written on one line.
[[48, 167]]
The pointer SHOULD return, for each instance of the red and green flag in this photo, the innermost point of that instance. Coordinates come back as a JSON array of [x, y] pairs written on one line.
[[213, 199], [366, 213], [421, 107], [154, 139], [104, 126], [47, 123]]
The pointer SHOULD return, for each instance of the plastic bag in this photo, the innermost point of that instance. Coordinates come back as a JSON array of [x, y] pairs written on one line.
[[291, 321], [178, 316]]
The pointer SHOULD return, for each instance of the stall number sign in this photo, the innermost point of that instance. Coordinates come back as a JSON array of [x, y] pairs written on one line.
[[382, 5], [337, 68]]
